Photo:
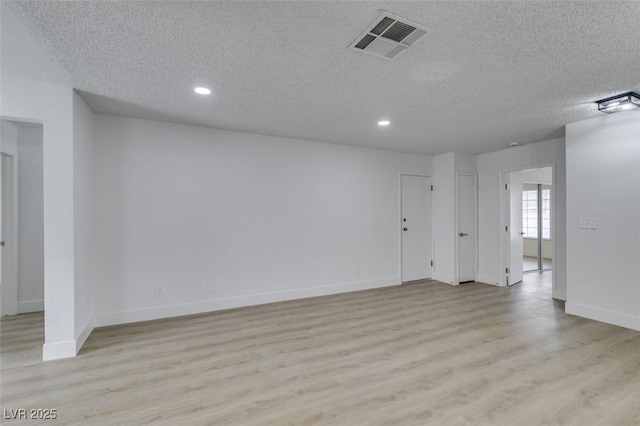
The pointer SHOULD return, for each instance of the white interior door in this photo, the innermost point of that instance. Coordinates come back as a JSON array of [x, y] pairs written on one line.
[[515, 228], [2, 309], [467, 228], [416, 227]]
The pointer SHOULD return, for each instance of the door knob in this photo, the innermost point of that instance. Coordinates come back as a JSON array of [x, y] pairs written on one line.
[[462, 234], [521, 233], [405, 229]]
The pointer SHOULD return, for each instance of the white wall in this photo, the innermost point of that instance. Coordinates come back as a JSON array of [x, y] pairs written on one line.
[[25, 96], [490, 232], [52, 106], [9, 139], [84, 156], [446, 167], [542, 176], [22, 57], [444, 218], [603, 182], [222, 219], [30, 220], [465, 163], [530, 248]]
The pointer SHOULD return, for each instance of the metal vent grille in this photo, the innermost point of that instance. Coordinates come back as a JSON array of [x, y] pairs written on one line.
[[398, 31], [382, 25], [388, 37], [366, 40]]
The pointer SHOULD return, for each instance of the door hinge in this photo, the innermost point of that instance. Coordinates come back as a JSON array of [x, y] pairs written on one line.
[[432, 187], [432, 263], [506, 270], [506, 186], [506, 228], [507, 281]]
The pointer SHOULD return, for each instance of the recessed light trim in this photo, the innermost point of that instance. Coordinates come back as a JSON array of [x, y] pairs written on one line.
[[383, 123], [202, 91]]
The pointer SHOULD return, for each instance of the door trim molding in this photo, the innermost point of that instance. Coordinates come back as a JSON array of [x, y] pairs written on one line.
[[504, 219], [10, 251]]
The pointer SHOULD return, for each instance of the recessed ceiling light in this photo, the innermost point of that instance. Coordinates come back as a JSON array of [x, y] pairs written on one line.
[[202, 91], [384, 123]]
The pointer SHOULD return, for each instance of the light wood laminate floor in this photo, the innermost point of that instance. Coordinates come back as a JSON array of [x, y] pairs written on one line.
[[530, 264], [425, 353]]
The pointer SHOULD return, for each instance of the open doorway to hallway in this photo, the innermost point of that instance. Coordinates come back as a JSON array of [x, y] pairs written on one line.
[[529, 222], [22, 223], [536, 219]]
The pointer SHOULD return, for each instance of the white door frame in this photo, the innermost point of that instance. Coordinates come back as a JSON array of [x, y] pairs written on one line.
[[504, 220], [399, 221], [515, 275], [456, 230], [9, 181]]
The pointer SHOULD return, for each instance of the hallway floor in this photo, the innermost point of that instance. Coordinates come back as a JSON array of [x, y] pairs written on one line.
[[530, 264]]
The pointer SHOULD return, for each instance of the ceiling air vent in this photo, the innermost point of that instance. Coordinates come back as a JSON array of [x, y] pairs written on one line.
[[389, 36]]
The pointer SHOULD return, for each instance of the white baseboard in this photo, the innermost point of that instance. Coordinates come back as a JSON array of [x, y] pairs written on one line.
[[447, 279], [146, 314], [488, 279], [84, 334], [58, 350], [559, 294], [67, 348], [535, 254], [603, 315], [30, 306]]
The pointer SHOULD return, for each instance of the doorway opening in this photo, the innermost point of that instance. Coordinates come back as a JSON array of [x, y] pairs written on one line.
[[536, 221], [22, 221], [529, 223], [8, 266]]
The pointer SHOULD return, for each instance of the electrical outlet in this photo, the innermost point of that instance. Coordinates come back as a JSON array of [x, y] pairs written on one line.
[[159, 290], [357, 270]]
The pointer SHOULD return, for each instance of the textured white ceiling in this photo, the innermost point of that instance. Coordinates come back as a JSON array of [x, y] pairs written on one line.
[[488, 74]]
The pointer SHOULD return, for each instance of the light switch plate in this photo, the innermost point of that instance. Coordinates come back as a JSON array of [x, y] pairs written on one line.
[[588, 223]]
